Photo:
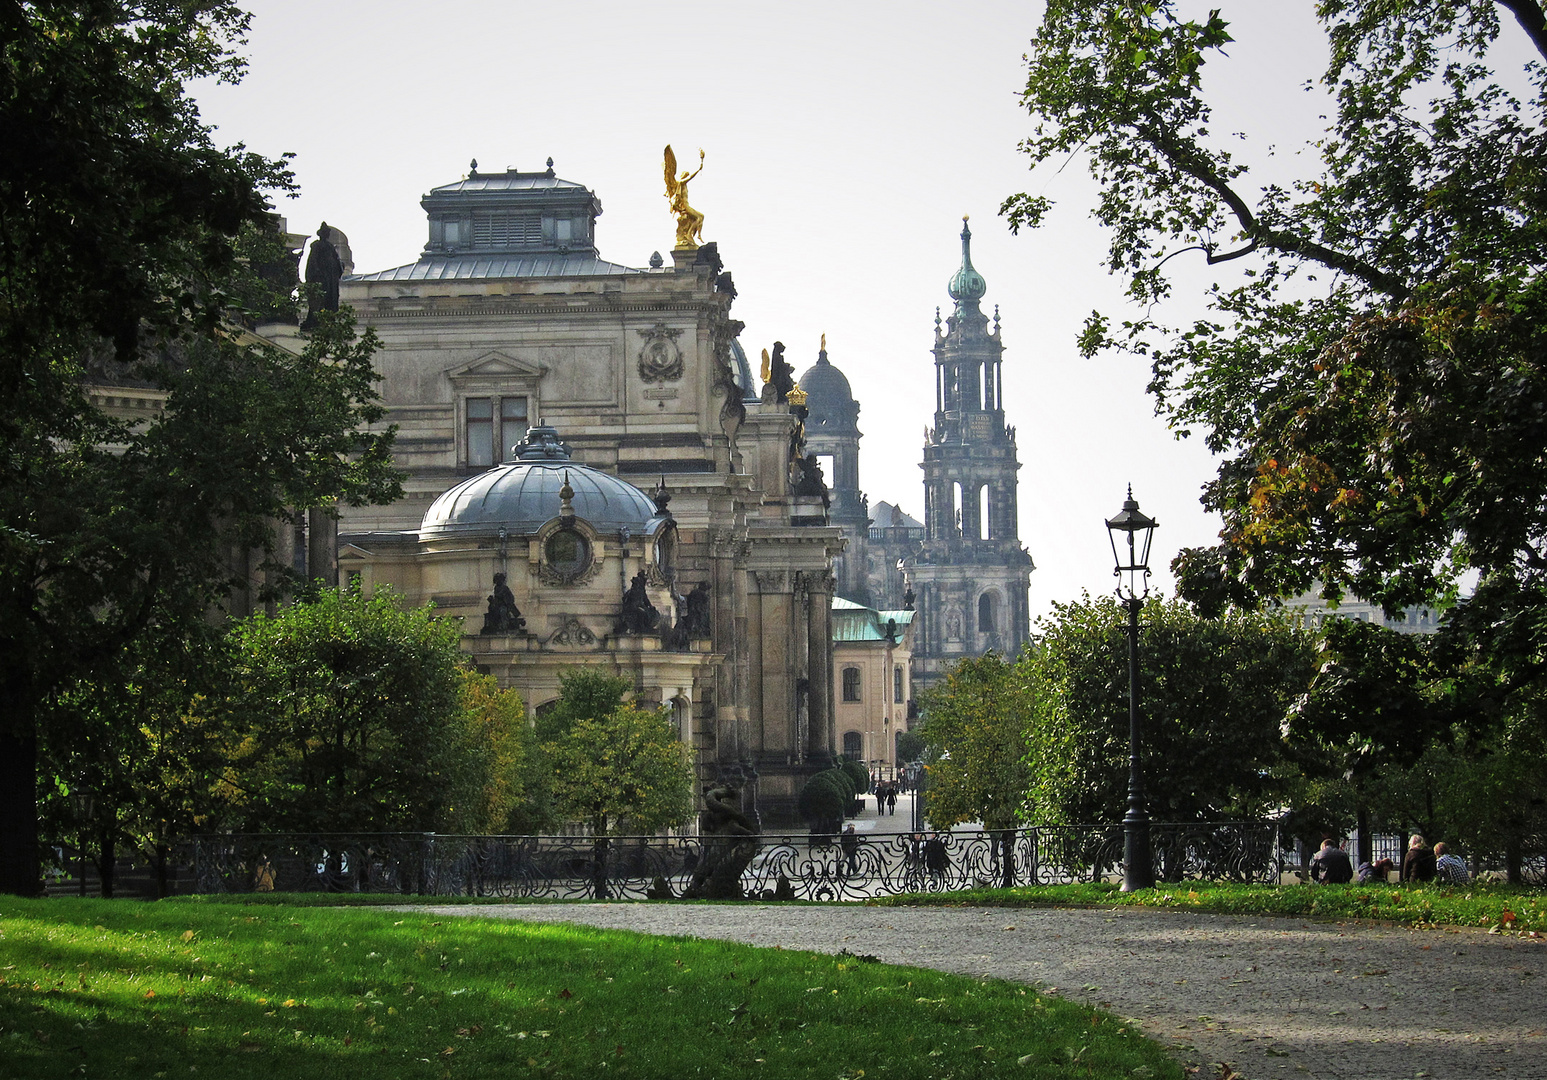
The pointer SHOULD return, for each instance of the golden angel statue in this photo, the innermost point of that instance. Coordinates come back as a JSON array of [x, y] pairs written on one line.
[[690, 223]]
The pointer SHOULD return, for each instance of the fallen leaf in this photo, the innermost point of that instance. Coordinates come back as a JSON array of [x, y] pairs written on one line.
[[565, 994]]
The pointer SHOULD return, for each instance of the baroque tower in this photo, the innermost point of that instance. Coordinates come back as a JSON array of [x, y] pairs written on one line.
[[832, 434], [971, 572]]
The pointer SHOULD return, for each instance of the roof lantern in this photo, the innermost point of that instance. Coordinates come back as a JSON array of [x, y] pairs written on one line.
[[967, 286]]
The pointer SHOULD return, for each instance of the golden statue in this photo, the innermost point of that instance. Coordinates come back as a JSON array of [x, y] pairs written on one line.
[[690, 223], [767, 370]]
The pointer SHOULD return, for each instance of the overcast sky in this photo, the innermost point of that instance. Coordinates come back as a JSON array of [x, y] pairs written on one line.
[[844, 142]]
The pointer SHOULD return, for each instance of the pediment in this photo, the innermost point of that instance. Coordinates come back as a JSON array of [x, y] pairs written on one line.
[[497, 365]]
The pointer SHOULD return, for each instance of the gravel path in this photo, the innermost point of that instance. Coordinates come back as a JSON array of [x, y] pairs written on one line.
[[1270, 997]]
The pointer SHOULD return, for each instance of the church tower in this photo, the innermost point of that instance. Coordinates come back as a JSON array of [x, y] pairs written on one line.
[[832, 434], [970, 573]]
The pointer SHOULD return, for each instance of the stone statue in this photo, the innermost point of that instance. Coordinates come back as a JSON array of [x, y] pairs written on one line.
[[638, 615], [730, 840], [812, 484], [695, 613], [323, 269], [778, 376], [503, 617], [690, 223]]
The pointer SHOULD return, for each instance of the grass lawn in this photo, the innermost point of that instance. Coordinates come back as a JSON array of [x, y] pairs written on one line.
[[128, 989], [1504, 907]]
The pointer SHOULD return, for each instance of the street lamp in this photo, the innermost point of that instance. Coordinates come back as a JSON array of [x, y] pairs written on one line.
[[1132, 555]]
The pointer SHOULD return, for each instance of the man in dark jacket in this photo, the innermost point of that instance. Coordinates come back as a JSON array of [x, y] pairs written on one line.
[[1331, 865]]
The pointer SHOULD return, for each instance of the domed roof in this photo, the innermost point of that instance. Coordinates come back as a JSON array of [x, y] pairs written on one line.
[[967, 284], [829, 400], [525, 494]]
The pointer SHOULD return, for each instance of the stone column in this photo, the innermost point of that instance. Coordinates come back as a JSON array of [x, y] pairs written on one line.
[[819, 637]]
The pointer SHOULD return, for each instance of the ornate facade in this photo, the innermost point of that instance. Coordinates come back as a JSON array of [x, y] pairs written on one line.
[[510, 319]]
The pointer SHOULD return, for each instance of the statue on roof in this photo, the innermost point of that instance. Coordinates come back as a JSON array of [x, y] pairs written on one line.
[[324, 268], [690, 223], [503, 617]]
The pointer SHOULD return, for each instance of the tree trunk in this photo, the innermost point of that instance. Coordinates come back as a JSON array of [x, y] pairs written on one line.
[[20, 871], [1366, 841], [106, 865]]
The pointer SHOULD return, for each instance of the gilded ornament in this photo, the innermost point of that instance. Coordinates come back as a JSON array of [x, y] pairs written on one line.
[[690, 223]]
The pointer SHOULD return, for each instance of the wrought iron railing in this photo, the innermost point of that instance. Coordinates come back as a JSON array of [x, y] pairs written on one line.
[[799, 866]]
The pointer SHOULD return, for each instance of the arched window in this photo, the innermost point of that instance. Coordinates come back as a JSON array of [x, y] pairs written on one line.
[[986, 613], [853, 745], [851, 684]]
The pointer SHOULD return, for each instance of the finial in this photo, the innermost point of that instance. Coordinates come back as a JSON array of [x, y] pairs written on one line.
[[996, 318], [821, 356], [937, 318], [656, 262], [662, 496], [966, 218], [550, 163], [472, 167], [566, 494]]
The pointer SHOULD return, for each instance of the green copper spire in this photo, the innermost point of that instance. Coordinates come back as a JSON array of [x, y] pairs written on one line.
[[967, 285]]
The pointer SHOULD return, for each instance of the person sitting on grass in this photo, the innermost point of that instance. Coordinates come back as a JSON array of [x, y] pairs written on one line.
[[1418, 862], [1375, 872], [1449, 869], [1330, 865]]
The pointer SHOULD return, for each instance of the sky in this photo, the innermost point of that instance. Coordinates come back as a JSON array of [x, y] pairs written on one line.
[[844, 142]]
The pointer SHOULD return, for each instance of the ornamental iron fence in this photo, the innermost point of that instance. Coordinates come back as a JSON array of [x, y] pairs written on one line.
[[806, 867]]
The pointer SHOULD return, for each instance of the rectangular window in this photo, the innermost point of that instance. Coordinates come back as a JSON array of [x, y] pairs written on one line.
[[480, 432], [513, 423], [851, 684], [897, 683]]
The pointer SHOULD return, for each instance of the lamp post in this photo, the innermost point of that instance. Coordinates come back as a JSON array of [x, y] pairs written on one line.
[[1131, 554], [83, 805]]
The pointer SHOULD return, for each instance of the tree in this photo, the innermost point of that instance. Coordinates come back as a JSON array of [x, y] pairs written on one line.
[[119, 226], [1374, 379], [975, 722], [625, 770], [910, 746], [1212, 694], [351, 713]]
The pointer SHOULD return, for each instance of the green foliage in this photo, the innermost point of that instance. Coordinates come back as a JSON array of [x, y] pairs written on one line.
[[910, 746], [1375, 380], [121, 221], [825, 799], [859, 776], [354, 714], [1212, 694], [501, 765], [584, 694], [622, 772], [369, 994], [976, 720]]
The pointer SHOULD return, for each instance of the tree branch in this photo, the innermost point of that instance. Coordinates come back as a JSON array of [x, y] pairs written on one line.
[[1189, 161], [1532, 20]]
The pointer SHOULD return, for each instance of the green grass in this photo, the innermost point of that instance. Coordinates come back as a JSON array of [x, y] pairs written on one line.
[[1482, 906], [126, 989]]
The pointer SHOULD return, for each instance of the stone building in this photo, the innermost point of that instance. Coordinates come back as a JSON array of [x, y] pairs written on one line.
[[832, 434], [970, 573], [963, 568], [872, 685], [510, 319]]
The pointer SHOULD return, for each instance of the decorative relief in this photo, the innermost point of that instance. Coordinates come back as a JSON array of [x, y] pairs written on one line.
[[660, 360], [573, 635], [772, 581]]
